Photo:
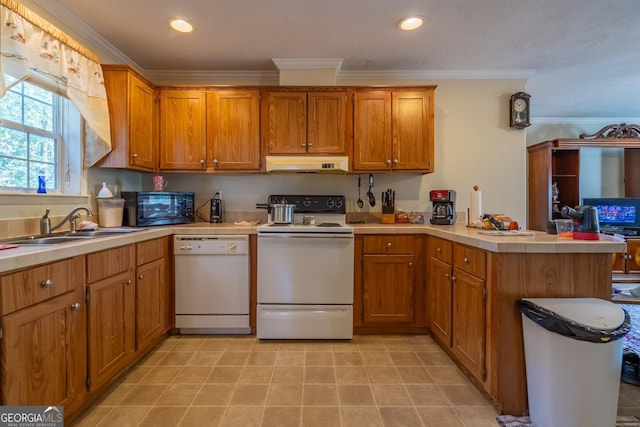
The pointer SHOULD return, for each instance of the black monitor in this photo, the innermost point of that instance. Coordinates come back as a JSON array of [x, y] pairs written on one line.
[[616, 212]]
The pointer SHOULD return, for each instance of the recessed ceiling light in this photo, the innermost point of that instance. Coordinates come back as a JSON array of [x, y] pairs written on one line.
[[411, 23], [181, 25]]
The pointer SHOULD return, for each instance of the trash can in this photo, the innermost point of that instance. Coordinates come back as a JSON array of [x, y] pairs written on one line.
[[573, 357]]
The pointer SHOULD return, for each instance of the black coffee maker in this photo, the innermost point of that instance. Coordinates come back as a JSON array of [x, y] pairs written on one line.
[[585, 221], [444, 209]]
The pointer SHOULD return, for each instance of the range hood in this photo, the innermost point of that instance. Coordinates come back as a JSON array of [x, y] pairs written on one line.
[[308, 164]]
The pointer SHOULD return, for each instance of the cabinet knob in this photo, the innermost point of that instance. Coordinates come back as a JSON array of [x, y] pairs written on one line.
[[395, 161], [389, 244], [202, 163], [438, 250], [128, 282], [389, 162], [215, 163], [309, 144], [47, 283], [453, 278], [303, 145], [410, 264], [75, 306], [466, 260], [141, 276], [446, 275], [134, 155]]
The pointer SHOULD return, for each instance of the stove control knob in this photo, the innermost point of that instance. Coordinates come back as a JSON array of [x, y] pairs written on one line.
[[330, 203], [306, 203], [338, 203]]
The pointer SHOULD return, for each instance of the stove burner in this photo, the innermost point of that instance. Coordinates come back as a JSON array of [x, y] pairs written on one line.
[[329, 224]]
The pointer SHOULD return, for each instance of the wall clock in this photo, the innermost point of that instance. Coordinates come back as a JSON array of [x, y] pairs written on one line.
[[519, 117]]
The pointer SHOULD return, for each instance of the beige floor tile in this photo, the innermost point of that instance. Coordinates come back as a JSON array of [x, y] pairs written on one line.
[[262, 358], [405, 358], [290, 358], [383, 375], [427, 395], [376, 346], [399, 416], [214, 344], [163, 416], [209, 416], [179, 395], [414, 375], [153, 358], [361, 416], [225, 374], [318, 358], [320, 395], [249, 395], [400, 345], [193, 374], [347, 358], [291, 375], [256, 375], [391, 395], [124, 416], [345, 346], [274, 416], [321, 416], [439, 416], [242, 416], [376, 358], [476, 416], [292, 345], [284, 395], [447, 375], [351, 375], [204, 358], [92, 417], [189, 344], [319, 374], [214, 395], [161, 375], [135, 374], [266, 346], [116, 394], [241, 344], [233, 358], [463, 395], [143, 395], [177, 358], [356, 395], [434, 358]]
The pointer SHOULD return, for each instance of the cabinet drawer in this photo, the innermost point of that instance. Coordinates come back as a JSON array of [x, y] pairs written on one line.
[[151, 250], [108, 263], [388, 244], [27, 287], [440, 249], [470, 260]]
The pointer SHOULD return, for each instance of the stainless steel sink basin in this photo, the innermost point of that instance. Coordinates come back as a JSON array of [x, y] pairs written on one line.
[[68, 237]]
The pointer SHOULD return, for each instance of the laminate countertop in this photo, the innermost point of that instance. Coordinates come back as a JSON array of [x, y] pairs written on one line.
[[30, 255]]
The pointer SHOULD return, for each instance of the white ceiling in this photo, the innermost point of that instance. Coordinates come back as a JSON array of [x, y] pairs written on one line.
[[581, 57]]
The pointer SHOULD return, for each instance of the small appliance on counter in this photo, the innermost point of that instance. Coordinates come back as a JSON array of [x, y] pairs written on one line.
[[444, 209], [215, 213], [585, 222], [145, 208]]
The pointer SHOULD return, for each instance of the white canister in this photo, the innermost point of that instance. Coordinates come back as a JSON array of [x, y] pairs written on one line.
[[110, 212]]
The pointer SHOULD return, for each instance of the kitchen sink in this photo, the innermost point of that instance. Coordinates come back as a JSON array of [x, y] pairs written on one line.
[[68, 237]]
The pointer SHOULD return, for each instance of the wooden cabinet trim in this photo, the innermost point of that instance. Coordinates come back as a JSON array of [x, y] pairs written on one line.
[[388, 244], [110, 262]]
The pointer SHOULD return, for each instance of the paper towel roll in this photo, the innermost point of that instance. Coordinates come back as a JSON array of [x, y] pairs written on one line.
[[475, 210]]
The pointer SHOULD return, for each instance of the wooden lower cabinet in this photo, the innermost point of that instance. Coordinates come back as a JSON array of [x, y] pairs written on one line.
[[44, 350], [389, 284], [457, 302]]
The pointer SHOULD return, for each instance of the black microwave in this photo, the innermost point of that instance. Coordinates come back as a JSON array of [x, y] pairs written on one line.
[[144, 208]]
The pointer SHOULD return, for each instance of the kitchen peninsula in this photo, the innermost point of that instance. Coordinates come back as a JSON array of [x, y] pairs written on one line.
[[487, 275]]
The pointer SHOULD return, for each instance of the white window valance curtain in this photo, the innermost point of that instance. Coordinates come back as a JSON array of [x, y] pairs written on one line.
[[30, 47]]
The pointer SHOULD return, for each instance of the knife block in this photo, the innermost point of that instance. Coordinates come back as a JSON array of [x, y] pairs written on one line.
[[388, 218]]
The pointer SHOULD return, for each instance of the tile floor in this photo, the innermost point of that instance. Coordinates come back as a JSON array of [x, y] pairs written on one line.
[[241, 381]]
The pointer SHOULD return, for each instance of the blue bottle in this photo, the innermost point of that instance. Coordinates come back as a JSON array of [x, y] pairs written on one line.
[[42, 183]]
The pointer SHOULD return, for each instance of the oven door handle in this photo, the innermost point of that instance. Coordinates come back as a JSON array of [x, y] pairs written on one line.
[[304, 236]]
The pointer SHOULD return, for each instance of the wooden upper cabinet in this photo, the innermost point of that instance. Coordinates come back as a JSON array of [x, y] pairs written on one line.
[[372, 131], [233, 130], [412, 131], [393, 131], [183, 141], [305, 123], [133, 113]]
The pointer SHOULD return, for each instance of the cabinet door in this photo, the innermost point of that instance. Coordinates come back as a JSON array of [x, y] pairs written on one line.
[[44, 354], [233, 119], [111, 327], [142, 122], [372, 131], [150, 304], [633, 256], [388, 289], [286, 131], [469, 317], [183, 142], [327, 123], [440, 296], [412, 130]]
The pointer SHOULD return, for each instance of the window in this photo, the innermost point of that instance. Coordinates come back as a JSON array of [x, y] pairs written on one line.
[[30, 138]]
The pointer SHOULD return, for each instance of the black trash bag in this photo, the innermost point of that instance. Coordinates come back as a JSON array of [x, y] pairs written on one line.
[[553, 322]]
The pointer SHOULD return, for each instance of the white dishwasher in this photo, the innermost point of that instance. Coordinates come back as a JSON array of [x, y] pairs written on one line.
[[212, 284]]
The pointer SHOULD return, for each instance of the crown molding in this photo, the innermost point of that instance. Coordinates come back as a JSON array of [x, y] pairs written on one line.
[[183, 77], [346, 76], [307, 63], [77, 25]]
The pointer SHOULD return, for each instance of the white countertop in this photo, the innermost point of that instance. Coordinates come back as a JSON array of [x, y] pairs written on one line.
[[26, 256]]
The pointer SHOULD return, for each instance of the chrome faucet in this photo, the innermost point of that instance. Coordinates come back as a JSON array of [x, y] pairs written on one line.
[[45, 221]]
